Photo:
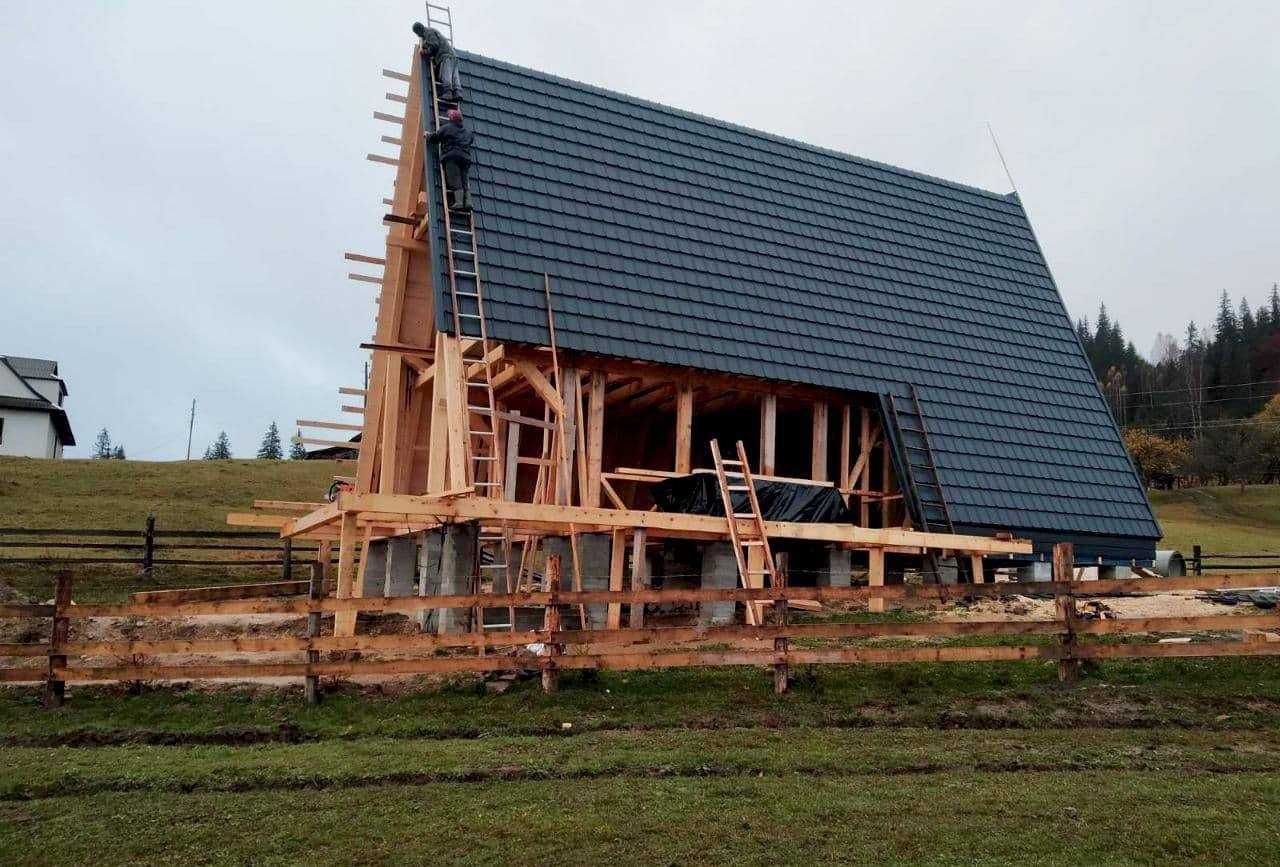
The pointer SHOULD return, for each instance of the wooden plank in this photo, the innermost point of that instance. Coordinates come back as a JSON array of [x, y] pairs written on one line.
[[226, 591], [846, 442], [684, 428], [456, 412], [821, 424], [975, 566], [329, 425], [862, 472], [367, 260], [1065, 606]]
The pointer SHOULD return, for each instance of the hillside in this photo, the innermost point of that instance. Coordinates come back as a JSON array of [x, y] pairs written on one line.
[[1220, 519]]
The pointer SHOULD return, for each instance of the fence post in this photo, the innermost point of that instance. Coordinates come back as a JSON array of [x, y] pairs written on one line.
[[781, 644], [149, 546], [314, 592], [1195, 560], [55, 690], [286, 569], [1065, 605], [551, 623]]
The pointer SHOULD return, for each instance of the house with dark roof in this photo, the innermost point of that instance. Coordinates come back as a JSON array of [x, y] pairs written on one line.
[[33, 422], [681, 240]]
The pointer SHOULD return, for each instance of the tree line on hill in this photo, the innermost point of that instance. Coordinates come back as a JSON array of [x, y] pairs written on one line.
[[1204, 407], [271, 448]]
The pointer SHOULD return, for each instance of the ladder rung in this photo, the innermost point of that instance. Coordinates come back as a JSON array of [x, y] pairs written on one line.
[[750, 542], [737, 488], [483, 458], [468, 316], [461, 231], [480, 433], [727, 462], [744, 515], [467, 294], [486, 484]]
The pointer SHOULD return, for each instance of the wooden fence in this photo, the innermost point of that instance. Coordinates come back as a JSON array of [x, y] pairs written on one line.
[[778, 645], [149, 547], [1227, 561]]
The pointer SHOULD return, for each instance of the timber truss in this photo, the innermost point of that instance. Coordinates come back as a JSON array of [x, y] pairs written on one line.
[[567, 443]]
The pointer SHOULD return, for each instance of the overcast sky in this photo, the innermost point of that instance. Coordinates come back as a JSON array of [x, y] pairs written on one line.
[[180, 180]]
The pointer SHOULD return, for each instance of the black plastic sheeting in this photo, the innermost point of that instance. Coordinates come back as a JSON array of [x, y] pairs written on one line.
[[699, 494]]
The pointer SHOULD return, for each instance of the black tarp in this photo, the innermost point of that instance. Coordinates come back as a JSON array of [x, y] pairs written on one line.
[[699, 494]]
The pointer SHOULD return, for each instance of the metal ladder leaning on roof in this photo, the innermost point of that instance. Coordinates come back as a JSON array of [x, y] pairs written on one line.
[[466, 292], [921, 467], [755, 536]]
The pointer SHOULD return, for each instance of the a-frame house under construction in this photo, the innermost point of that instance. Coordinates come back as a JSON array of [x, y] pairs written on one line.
[[638, 284]]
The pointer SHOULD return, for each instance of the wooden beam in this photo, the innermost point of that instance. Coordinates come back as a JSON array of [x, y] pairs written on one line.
[[684, 427], [541, 385], [360, 257], [821, 423], [486, 509], [329, 425], [617, 570], [639, 574], [345, 621]]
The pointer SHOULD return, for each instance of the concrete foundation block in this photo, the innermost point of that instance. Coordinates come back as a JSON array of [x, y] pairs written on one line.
[[447, 565], [719, 572], [839, 568], [401, 560], [594, 550], [1041, 571], [374, 577], [1114, 573]]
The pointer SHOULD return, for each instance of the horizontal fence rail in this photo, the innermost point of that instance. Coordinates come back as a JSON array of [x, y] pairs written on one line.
[[553, 648], [1248, 562], [154, 547]]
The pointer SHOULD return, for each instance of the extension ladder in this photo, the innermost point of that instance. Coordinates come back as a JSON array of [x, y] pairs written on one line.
[[754, 537], [922, 469], [466, 291]]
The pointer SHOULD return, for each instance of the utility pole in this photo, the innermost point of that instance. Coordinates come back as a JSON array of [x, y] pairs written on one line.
[[191, 427]]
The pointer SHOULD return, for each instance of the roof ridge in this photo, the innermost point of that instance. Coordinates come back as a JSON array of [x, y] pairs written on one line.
[[740, 128]]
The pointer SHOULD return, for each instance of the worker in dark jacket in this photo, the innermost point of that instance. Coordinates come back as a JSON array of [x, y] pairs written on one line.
[[455, 142], [436, 49]]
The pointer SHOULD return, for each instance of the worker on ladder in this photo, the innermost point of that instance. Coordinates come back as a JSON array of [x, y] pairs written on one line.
[[436, 49], [455, 156]]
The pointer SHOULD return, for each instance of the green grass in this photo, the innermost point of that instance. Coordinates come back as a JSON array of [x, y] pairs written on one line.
[[1220, 519], [835, 796]]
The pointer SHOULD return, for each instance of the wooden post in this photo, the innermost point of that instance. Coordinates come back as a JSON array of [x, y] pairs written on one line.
[[1195, 560], [846, 444], [863, 480], [286, 562], [55, 689], [344, 622], [551, 623], [314, 591], [821, 416], [684, 428], [617, 568], [149, 546], [781, 644], [875, 578], [768, 433], [975, 566], [1065, 605], [639, 574], [595, 439]]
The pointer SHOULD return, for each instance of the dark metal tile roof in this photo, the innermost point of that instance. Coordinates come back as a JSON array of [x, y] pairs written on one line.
[[680, 239]]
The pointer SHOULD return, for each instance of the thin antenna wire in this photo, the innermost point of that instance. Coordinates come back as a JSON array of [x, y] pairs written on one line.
[[1008, 174]]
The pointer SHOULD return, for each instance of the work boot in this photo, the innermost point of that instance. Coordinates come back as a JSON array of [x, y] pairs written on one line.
[[466, 200], [457, 200]]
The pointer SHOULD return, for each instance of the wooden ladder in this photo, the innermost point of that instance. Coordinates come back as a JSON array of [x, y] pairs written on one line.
[[922, 469], [755, 536], [466, 291]]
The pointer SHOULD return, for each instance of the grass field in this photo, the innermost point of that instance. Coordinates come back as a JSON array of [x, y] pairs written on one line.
[[1157, 761]]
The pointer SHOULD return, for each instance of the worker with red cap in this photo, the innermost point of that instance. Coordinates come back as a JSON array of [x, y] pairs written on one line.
[[455, 142]]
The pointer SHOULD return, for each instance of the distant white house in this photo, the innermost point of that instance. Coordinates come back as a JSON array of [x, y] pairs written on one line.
[[33, 423]]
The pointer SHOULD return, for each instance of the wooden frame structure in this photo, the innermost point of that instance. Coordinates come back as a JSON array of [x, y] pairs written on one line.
[[579, 438]]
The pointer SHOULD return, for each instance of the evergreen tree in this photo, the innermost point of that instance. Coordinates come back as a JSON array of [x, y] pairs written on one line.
[[270, 450], [220, 450], [117, 454], [297, 451], [1275, 305], [102, 446]]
